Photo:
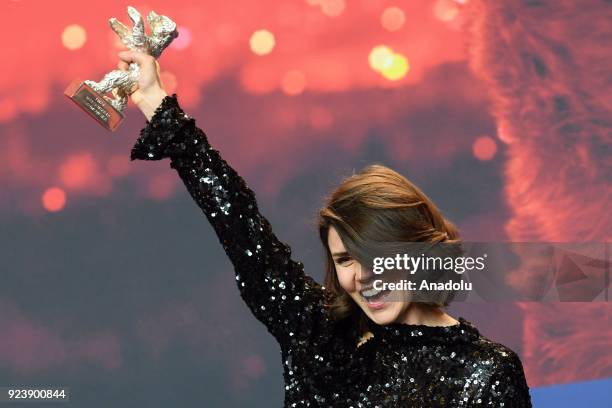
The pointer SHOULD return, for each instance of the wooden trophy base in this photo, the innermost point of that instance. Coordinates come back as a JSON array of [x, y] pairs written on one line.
[[94, 105]]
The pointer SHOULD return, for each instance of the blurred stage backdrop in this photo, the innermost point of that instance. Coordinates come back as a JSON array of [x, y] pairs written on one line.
[[112, 281]]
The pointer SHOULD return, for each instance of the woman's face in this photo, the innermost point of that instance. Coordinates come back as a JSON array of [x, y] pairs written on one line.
[[358, 283]]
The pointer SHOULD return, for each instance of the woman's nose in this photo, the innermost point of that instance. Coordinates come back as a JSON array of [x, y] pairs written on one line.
[[364, 276]]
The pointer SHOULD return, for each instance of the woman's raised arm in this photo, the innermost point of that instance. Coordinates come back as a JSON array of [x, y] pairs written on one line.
[[272, 284]]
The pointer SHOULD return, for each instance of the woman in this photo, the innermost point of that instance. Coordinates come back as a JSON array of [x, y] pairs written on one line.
[[342, 345]]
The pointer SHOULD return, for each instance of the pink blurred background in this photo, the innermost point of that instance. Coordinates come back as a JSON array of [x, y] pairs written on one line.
[[500, 111]]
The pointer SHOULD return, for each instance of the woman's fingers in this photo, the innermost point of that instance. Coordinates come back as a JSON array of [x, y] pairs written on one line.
[[123, 66], [149, 84], [134, 56]]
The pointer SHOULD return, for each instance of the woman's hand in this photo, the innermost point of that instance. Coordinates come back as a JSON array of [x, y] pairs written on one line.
[[149, 91]]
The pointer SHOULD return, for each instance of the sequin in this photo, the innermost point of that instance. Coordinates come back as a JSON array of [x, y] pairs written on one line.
[[401, 365]]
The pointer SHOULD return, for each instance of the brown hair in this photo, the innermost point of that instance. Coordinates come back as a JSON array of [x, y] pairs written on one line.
[[378, 205]]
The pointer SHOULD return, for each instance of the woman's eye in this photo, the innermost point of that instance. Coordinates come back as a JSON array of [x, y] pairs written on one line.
[[343, 259]]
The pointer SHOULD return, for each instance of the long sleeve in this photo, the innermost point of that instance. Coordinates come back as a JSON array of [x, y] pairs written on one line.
[[273, 285]]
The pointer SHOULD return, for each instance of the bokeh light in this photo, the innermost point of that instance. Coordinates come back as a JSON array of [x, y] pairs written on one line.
[[484, 148], [380, 57], [392, 18], [293, 82], [446, 10], [262, 42], [53, 199], [74, 37], [397, 69], [332, 8]]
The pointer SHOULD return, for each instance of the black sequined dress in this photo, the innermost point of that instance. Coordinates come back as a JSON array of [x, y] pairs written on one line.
[[400, 366]]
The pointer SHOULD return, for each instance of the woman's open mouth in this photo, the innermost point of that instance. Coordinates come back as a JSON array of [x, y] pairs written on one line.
[[375, 299]]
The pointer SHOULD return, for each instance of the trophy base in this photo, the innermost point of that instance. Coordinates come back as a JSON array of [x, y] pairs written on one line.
[[94, 105]]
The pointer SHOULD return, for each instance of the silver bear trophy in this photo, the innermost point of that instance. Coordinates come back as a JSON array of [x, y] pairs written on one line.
[[100, 99]]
